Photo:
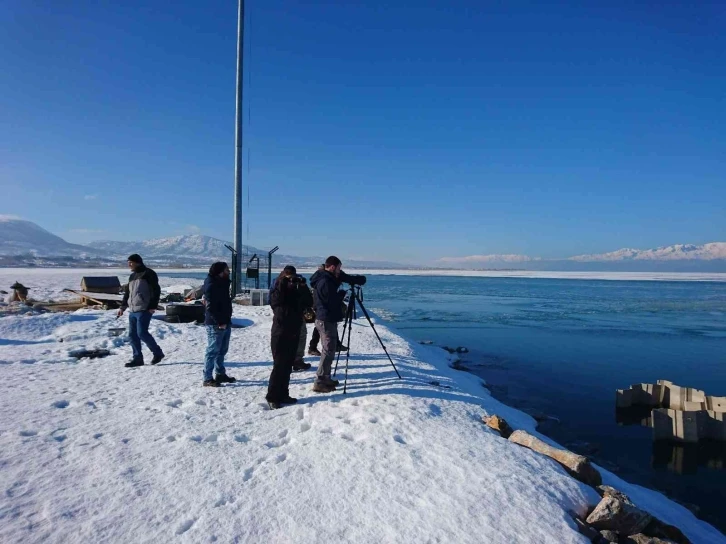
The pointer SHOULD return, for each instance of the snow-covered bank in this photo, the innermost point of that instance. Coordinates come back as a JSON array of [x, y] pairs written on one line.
[[93, 452]]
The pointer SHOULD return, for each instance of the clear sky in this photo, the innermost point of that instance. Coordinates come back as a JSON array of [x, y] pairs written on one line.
[[393, 130]]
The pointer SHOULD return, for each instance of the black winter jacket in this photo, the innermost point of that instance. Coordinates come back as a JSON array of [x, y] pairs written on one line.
[[328, 299], [288, 301], [218, 310]]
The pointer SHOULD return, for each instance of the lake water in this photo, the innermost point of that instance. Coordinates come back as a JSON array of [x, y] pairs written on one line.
[[562, 348]]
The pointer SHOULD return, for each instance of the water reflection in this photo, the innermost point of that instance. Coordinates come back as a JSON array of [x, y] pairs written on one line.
[[678, 457], [688, 458]]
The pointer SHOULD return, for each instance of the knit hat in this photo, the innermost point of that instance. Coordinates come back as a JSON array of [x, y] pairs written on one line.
[[135, 258]]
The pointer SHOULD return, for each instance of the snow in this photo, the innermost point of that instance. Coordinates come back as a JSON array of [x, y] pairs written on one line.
[[676, 252], [48, 283], [91, 451]]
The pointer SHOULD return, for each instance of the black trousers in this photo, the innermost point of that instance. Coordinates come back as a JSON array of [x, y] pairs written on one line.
[[315, 339], [284, 349]]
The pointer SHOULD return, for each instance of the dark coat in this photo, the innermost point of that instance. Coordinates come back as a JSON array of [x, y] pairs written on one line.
[[328, 299], [288, 301], [218, 309]]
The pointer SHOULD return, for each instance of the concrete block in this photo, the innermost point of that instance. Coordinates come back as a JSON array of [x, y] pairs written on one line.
[[682, 414], [624, 398], [716, 404]]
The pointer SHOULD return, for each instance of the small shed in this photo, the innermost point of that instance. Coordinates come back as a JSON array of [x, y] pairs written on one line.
[[99, 284]]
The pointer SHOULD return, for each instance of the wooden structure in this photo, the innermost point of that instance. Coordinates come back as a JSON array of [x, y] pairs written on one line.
[[100, 285]]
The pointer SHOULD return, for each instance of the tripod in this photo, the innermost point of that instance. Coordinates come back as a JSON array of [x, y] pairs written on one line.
[[350, 315]]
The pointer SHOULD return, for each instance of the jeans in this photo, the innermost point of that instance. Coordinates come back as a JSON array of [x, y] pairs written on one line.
[[217, 347], [138, 331], [329, 339]]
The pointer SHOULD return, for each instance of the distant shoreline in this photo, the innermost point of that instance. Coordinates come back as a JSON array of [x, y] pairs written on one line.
[[520, 274]]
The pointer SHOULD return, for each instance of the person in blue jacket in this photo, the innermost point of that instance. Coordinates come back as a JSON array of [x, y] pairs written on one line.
[[218, 319]]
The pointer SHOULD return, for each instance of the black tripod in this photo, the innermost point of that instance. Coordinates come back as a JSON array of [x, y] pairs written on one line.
[[350, 315]]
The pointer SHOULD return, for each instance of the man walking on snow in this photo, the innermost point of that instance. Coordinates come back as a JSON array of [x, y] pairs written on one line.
[[141, 297]]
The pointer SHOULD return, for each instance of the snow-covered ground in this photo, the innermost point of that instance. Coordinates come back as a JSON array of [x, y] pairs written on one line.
[[91, 451]]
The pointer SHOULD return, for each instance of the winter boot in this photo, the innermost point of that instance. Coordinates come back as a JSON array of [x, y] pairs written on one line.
[[157, 359], [330, 381], [341, 347], [210, 383], [322, 387], [314, 351], [223, 378], [274, 405], [138, 361], [299, 365], [288, 400]]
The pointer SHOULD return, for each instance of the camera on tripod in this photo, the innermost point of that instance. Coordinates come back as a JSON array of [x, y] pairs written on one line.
[[355, 296], [353, 280]]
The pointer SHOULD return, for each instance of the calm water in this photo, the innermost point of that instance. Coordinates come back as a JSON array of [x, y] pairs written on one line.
[[562, 347]]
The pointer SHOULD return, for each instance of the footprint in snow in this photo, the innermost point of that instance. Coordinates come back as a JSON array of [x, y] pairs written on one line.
[[28, 433], [175, 403], [277, 443], [60, 404], [185, 526], [398, 438], [241, 438]]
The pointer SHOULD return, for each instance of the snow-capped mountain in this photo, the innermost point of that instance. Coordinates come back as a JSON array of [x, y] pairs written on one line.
[[174, 247], [20, 237], [186, 249], [677, 252], [23, 243]]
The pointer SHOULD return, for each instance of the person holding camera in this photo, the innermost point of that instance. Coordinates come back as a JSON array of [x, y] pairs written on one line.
[[218, 319], [289, 298]]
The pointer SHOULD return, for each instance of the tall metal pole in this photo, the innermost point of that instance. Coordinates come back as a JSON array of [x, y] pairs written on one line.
[[238, 147]]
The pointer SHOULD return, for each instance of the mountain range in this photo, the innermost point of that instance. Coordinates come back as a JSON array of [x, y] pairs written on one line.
[[24, 243]]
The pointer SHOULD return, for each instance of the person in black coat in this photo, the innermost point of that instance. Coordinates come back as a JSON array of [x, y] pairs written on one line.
[[288, 297], [218, 319]]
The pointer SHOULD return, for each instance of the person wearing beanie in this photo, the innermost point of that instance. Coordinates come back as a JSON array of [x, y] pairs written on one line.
[[141, 298]]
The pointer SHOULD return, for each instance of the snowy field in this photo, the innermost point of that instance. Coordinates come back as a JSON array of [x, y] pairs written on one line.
[[91, 451]]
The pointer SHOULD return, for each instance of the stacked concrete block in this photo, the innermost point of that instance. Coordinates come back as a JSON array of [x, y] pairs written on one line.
[[680, 413]]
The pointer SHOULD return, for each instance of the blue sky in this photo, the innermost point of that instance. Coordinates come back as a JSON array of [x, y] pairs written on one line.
[[405, 131]]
